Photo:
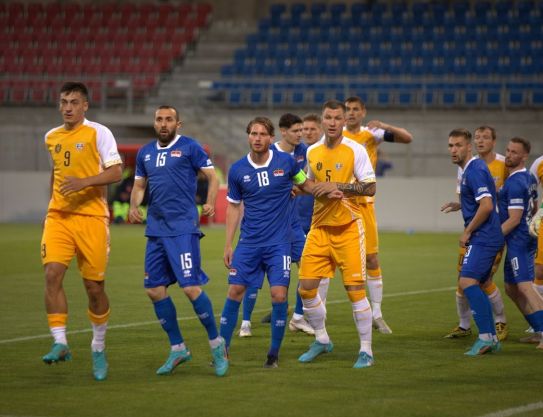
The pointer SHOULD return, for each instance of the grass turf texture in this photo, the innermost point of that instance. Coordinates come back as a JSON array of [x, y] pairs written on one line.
[[416, 372]]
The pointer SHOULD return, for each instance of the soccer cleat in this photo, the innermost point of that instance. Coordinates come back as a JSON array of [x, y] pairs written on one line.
[[534, 338], [315, 349], [381, 326], [364, 361], [99, 365], [540, 346], [245, 330], [496, 347], [529, 330], [300, 325], [220, 359], [271, 362], [266, 318], [480, 347], [177, 357], [59, 353], [458, 332], [502, 331]]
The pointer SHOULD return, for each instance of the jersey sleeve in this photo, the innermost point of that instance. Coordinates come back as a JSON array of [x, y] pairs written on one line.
[[459, 173], [107, 147], [363, 170], [516, 197], [480, 183], [378, 135], [234, 190], [200, 159], [140, 166]]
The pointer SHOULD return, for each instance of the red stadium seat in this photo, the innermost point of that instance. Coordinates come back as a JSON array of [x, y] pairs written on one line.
[[18, 92]]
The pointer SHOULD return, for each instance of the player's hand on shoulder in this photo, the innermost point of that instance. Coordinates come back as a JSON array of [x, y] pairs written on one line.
[[208, 210], [135, 215], [450, 206]]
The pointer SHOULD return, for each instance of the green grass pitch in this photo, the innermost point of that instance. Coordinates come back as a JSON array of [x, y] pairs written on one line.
[[416, 372]]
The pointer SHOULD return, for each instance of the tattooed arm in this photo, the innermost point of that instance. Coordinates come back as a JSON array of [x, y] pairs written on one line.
[[354, 189]]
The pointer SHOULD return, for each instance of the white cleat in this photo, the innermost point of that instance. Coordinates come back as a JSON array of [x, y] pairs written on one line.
[[245, 330], [300, 325], [381, 326]]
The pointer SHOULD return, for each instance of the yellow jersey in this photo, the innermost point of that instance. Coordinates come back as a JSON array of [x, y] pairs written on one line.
[[348, 162], [83, 152], [537, 170]]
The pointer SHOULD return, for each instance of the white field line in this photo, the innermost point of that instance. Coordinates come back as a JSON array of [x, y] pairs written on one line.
[[145, 323], [516, 410]]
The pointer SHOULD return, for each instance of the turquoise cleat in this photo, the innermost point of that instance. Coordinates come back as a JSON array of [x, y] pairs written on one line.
[[315, 349], [480, 347], [99, 365], [220, 359], [364, 361], [59, 353], [177, 357]]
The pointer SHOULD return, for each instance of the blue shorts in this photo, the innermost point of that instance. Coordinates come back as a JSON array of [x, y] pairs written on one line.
[[478, 261], [249, 264], [519, 264], [171, 259]]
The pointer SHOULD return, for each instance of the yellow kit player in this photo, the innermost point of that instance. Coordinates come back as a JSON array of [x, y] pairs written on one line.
[[84, 161], [485, 142], [371, 136]]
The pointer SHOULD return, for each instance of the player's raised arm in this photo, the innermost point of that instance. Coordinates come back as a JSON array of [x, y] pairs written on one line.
[[400, 135]]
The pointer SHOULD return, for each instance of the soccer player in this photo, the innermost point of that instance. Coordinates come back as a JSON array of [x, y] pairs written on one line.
[[517, 202], [263, 182], [337, 236], [485, 142], [482, 237], [85, 159], [537, 226], [290, 126], [371, 136], [169, 166]]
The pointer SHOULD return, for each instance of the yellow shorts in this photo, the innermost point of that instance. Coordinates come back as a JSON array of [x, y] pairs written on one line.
[[539, 255], [495, 266], [87, 237], [331, 247], [370, 227]]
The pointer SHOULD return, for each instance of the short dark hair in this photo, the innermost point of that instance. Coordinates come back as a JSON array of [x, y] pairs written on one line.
[[75, 87], [461, 132], [486, 127], [287, 120], [312, 117], [334, 105], [355, 99], [264, 121], [168, 107], [524, 142]]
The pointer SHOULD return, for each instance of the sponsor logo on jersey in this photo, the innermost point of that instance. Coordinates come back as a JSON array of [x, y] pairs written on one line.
[[339, 165], [79, 146], [517, 201], [319, 166], [246, 178], [233, 272], [186, 273], [176, 154], [58, 147], [278, 173], [147, 157]]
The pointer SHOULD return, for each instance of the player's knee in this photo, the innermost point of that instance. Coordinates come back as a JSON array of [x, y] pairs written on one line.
[[489, 287], [54, 273], [308, 294], [356, 295], [95, 289], [156, 293], [192, 292]]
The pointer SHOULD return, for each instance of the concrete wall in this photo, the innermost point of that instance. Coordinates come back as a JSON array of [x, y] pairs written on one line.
[[403, 204]]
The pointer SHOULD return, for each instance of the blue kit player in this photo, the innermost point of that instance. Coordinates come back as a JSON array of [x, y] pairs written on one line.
[[169, 167], [482, 236], [263, 182], [291, 143], [517, 202]]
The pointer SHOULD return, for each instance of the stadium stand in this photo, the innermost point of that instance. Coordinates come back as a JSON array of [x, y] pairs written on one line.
[[109, 46], [447, 54]]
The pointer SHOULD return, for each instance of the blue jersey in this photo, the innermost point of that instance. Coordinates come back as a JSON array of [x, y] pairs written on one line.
[[300, 157], [171, 174], [266, 194], [477, 183], [519, 192]]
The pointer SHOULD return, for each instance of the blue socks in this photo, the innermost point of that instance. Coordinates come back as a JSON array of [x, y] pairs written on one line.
[[249, 301], [299, 309], [278, 322], [167, 316], [204, 310], [229, 319], [481, 308], [536, 320]]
